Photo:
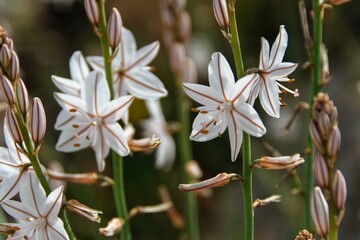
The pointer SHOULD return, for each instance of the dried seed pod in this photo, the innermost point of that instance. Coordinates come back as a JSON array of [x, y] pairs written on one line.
[[320, 212], [339, 190], [14, 67], [13, 126], [22, 97], [321, 170], [221, 13], [114, 28], [6, 89], [92, 11], [37, 122]]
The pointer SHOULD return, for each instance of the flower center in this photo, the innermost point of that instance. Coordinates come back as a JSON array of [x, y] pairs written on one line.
[[226, 106], [98, 121]]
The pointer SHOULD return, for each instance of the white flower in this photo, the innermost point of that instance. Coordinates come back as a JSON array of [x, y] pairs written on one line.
[[94, 120], [156, 124], [14, 166], [131, 73], [224, 106], [271, 71], [36, 213]]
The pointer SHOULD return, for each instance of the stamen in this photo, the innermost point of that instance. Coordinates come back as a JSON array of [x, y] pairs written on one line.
[[75, 126], [295, 92], [194, 110], [72, 110], [77, 145], [204, 131], [204, 112]]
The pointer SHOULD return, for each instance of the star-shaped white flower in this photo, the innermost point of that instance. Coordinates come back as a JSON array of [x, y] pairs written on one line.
[[131, 73], [14, 166], [271, 71], [94, 121], [36, 213], [224, 106]]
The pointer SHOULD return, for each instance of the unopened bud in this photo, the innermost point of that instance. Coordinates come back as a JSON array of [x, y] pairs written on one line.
[[92, 11], [177, 57], [193, 169], [13, 126], [190, 71], [162, 207], [339, 191], [83, 210], [114, 28], [14, 67], [37, 121], [221, 13], [320, 212], [333, 145], [184, 26], [315, 136], [22, 97], [10, 43], [6, 89], [167, 17], [276, 163], [263, 202], [5, 56], [144, 144], [219, 180], [113, 227], [178, 5], [321, 170], [324, 125], [3, 35]]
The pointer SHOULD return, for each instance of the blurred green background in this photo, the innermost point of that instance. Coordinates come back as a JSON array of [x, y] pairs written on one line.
[[47, 32]]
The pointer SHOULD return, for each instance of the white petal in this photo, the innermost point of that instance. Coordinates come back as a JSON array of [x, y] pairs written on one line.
[[39, 234], [10, 185], [281, 70], [221, 77], [145, 85], [100, 147], [97, 92], [53, 203], [264, 54], [213, 124], [120, 86], [16, 210], [254, 93], [248, 119], [155, 110], [204, 95], [269, 98], [69, 102], [56, 231], [166, 152], [279, 47], [241, 90], [145, 55], [78, 67], [72, 141], [127, 50], [64, 120], [32, 194], [67, 86], [115, 137], [235, 135], [116, 109], [96, 62]]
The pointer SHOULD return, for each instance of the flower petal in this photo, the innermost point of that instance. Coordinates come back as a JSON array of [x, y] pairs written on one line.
[[96, 62], [69, 103], [145, 55], [255, 89], [78, 67], [264, 54], [32, 194], [145, 85], [10, 185], [235, 135], [208, 126], [248, 119], [100, 147], [53, 203], [67, 86], [241, 90], [16, 210], [72, 141], [115, 137], [55, 230], [279, 47], [97, 93], [120, 86], [127, 51], [281, 70], [269, 98], [116, 109], [204, 95], [221, 77]]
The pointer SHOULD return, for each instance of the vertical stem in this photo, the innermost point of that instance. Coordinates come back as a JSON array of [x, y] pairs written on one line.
[[246, 145], [118, 188], [333, 228], [185, 152], [315, 88]]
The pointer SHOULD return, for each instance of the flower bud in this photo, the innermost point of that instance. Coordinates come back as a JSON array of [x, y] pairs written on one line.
[[177, 57], [3, 35], [5, 56], [22, 97], [315, 136], [92, 11], [324, 125], [113, 227], [321, 170], [339, 190], [320, 212], [14, 67], [190, 71], [184, 26], [333, 144], [114, 28], [221, 13], [10, 43], [37, 121], [219, 180], [276, 163], [6, 89], [83, 210], [167, 17], [13, 126]]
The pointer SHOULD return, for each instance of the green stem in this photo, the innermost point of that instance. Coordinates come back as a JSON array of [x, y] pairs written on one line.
[[119, 195], [315, 88], [246, 145], [185, 152], [118, 188], [333, 228]]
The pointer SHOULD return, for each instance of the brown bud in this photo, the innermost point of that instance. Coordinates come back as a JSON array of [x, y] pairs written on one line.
[[221, 13], [83, 210], [321, 170], [339, 190], [6, 89], [320, 212], [5, 56], [13, 126], [92, 11], [114, 28], [304, 235], [184, 26], [333, 145], [14, 67], [22, 97], [219, 180], [37, 121]]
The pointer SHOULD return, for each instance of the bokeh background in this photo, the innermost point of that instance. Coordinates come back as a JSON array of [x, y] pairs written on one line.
[[47, 32]]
